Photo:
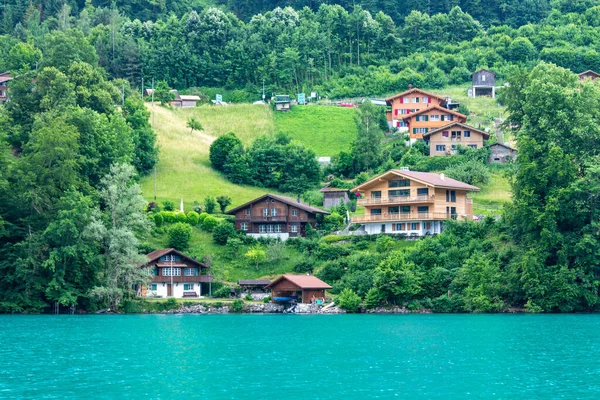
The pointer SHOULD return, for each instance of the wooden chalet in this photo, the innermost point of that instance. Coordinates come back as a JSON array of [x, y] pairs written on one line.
[[301, 288], [483, 84], [275, 216], [4, 79], [589, 74], [176, 275], [445, 140], [332, 196], [185, 101]]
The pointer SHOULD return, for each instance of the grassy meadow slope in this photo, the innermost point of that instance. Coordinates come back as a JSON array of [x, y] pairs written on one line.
[[184, 169], [326, 130]]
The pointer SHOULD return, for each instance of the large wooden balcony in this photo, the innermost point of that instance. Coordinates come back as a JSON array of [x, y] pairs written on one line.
[[182, 279], [273, 218], [376, 201], [402, 217]]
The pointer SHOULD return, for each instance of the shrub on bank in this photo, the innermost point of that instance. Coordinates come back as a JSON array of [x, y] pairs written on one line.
[[348, 300], [180, 235]]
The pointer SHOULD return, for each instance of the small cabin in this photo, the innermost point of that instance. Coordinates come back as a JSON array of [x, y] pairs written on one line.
[[501, 153], [483, 84], [185, 101], [589, 74], [333, 196], [4, 79], [282, 102], [298, 288]]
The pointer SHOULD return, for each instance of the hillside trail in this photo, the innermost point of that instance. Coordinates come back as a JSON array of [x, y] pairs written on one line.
[[175, 122]]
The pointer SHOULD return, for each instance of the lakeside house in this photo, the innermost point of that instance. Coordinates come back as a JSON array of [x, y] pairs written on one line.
[[501, 153], [175, 275], [275, 216], [5, 77], [300, 288], [332, 196], [589, 74], [412, 203], [482, 84], [444, 141]]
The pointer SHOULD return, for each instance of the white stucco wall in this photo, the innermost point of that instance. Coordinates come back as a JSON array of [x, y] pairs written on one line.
[[375, 228]]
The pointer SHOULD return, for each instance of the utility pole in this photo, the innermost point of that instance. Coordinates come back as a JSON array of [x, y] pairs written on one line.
[[263, 90], [142, 88], [123, 95], [155, 183]]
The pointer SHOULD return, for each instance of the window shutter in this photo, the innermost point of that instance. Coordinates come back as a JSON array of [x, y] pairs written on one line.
[[414, 130], [426, 117], [429, 99], [393, 227], [401, 100], [396, 111], [398, 124]]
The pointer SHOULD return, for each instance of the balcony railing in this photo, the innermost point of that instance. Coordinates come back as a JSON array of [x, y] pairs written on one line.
[[182, 279], [400, 217], [396, 200], [273, 218]]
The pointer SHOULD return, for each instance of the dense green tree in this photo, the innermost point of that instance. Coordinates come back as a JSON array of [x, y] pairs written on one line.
[[366, 149], [222, 148]]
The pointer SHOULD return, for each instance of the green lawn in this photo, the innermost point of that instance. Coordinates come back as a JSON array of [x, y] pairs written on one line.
[[325, 129], [492, 196], [183, 170]]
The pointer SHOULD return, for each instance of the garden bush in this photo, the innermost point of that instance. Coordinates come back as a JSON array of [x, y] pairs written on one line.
[[158, 220], [181, 217], [222, 232], [201, 217], [209, 223], [179, 235], [348, 300], [168, 206], [193, 218]]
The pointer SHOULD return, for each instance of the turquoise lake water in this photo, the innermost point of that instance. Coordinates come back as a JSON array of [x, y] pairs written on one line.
[[300, 356]]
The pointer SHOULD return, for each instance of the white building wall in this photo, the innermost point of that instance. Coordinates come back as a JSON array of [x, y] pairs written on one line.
[[178, 289], [283, 236], [375, 228]]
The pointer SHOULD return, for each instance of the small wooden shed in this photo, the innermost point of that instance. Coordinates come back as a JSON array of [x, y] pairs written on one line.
[[332, 196], [589, 74], [302, 288], [501, 153], [483, 84], [185, 101]]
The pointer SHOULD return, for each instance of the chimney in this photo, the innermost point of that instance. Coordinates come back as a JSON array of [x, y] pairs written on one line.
[[442, 177], [298, 198], [409, 86]]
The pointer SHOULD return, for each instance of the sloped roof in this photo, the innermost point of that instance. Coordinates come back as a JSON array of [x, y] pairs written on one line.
[[283, 199], [482, 70], [413, 90], [485, 135], [156, 254], [503, 145], [435, 107], [589, 72], [188, 98], [328, 189], [5, 77], [427, 178], [253, 282], [302, 281]]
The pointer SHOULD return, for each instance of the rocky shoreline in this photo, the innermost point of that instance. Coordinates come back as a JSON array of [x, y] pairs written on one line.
[[272, 308]]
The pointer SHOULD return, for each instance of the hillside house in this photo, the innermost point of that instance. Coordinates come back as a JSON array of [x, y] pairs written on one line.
[[282, 102], [483, 84], [501, 153], [275, 216], [300, 288], [407, 102], [175, 275], [412, 203], [445, 140], [4, 79], [333, 196], [589, 74], [429, 119], [185, 101]]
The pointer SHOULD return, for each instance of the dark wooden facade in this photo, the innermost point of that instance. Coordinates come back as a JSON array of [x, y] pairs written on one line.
[[188, 269], [4, 79], [483, 78], [589, 74], [272, 214]]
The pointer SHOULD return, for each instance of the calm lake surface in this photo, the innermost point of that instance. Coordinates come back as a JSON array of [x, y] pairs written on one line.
[[300, 356]]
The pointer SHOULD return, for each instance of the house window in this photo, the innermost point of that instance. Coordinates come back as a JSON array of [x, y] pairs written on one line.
[[376, 194], [375, 211], [188, 286], [423, 192], [451, 211], [402, 124], [265, 212], [248, 211], [467, 133], [190, 272], [423, 209], [427, 225], [445, 134], [450, 196], [294, 228], [171, 271], [415, 99], [405, 209], [244, 226], [153, 287], [420, 130], [399, 183], [277, 228], [400, 227], [425, 99], [294, 213], [453, 147], [440, 147], [155, 271], [434, 117], [393, 210], [415, 226], [422, 118], [399, 193], [262, 228], [456, 134], [274, 212], [405, 100], [482, 78], [169, 258], [473, 146]]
